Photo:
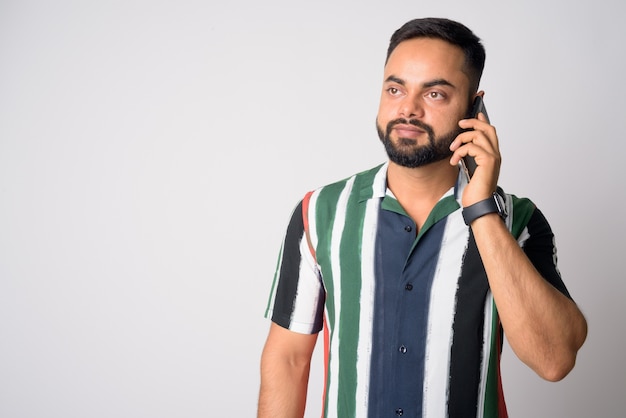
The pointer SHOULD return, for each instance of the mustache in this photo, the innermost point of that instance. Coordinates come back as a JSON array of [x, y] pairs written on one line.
[[414, 122]]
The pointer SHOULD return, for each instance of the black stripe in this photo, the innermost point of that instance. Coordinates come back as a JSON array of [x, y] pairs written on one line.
[[467, 340], [289, 270], [540, 250]]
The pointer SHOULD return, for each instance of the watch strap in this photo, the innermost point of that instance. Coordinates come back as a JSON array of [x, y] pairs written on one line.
[[493, 204]]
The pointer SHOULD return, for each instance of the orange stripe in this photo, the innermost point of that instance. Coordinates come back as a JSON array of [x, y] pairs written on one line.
[[326, 356], [305, 220]]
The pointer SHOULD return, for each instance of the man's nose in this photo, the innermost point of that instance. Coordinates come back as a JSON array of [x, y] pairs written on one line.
[[411, 107]]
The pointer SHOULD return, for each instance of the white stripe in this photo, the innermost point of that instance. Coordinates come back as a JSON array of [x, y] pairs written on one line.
[[307, 294], [441, 316], [337, 232], [312, 218], [508, 202], [523, 236], [487, 353], [366, 320]]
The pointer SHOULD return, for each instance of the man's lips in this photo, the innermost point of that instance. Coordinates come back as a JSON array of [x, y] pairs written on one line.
[[407, 131]]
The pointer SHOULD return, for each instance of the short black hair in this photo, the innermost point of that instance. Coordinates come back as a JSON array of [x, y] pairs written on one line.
[[450, 31]]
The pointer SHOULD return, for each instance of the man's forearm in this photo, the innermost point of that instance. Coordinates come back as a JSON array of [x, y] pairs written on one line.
[[544, 328], [283, 389], [285, 365]]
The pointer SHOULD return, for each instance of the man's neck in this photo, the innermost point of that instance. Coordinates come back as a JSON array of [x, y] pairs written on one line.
[[419, 189]]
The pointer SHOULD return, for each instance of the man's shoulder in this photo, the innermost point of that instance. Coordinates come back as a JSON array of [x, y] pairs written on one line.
[[364, 175], [361, 178], [360, 186]]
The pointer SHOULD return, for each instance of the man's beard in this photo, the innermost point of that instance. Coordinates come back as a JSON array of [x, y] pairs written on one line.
[[408, 153]]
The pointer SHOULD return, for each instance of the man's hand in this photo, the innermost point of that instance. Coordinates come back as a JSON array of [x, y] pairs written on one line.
[[481, 143]]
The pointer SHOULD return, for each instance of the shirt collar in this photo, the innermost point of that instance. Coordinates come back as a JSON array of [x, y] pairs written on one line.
[[380, 188]]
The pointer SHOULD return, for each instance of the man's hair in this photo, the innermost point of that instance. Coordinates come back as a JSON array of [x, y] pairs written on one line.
[[450, 31]]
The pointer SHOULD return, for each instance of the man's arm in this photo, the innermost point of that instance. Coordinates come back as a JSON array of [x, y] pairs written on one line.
[[544, 327], [285, 365]]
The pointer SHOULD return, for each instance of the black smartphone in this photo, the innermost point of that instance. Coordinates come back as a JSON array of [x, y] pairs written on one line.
[[469, 165]]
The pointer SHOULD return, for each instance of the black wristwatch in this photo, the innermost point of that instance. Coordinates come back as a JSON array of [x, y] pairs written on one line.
[[493, 204]]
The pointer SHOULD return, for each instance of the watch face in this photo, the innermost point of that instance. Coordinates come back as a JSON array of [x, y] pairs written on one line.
[[501, 205]]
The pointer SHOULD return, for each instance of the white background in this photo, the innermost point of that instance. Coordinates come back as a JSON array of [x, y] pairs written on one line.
[[151, 153]]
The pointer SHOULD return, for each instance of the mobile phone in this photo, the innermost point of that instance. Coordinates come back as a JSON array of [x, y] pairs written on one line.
[[468, 162]]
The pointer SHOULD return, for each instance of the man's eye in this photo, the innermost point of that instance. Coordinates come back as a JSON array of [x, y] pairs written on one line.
[[393, 91], [435, 95]]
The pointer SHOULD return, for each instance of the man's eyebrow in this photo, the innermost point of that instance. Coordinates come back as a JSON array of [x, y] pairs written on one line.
[[394, 79], [428, 84], [438, 82]]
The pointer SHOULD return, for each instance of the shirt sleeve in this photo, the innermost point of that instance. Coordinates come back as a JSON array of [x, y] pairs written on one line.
[[297, 297], [539, 246]]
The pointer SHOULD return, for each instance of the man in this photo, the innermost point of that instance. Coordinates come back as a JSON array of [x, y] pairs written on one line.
[[412, 269]]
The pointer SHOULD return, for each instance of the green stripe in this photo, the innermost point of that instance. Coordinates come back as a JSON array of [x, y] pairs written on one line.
[[522, 211], [350, 274], [324, 219], [443, 208], [350, 303]]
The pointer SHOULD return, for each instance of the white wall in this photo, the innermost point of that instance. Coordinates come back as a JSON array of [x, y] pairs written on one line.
[[151, 152]]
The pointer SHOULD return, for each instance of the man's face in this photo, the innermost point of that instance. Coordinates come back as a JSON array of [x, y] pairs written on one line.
[[425, 94]]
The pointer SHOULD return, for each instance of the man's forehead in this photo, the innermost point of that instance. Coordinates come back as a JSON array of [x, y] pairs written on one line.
[[427, 57], [427, 49]]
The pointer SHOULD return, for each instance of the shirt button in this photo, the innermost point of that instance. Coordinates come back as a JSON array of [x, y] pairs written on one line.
[[402, 349], [399, 412], [408, 228], [409, 286]]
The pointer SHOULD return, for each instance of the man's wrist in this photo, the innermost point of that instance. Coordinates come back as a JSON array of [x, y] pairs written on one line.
[[493, 204]]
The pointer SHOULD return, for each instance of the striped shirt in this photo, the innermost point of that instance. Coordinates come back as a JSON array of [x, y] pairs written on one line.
[[410, 326]]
